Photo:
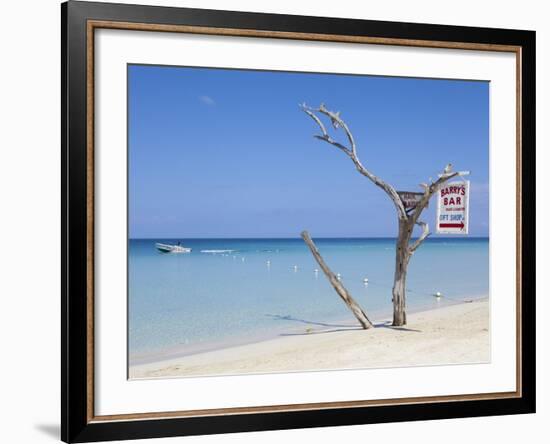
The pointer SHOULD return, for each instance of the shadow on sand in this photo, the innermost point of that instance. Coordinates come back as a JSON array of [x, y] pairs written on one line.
[[305, 321], [333, 328]]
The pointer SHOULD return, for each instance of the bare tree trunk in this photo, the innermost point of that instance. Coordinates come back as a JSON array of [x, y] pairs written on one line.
[[402, 256], [338, 286]]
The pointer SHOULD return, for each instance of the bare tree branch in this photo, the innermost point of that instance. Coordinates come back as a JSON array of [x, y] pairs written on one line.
[[337, 123], [423, 236], [351, 151], [310, 113], [325, 137], [337, 285]]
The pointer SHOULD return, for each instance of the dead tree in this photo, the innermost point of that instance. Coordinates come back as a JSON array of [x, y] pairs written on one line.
[[407, 218]]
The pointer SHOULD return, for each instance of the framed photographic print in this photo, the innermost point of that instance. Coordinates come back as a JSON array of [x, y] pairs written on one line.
[[275, 221]]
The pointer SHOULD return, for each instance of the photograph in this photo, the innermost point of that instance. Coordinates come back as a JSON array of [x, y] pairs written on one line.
[[285, 221]]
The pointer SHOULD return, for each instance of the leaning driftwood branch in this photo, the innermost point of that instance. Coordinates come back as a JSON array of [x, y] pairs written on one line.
[[351, 151], [337, 285]]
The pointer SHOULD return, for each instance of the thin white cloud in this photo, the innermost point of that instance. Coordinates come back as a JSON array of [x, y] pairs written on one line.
[[209, 101]]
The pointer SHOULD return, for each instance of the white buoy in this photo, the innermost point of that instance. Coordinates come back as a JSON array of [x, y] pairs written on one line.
[[366, 280], [338, 276], [437, 294], [295, 267], [316, 271]]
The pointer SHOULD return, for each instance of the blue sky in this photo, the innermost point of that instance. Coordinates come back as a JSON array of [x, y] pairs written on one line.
[[228, 153]]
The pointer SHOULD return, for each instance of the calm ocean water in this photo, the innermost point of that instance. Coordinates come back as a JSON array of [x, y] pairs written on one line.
[[258, 288]]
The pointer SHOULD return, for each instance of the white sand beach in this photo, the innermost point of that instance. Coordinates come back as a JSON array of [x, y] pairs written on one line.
[[456, 334]]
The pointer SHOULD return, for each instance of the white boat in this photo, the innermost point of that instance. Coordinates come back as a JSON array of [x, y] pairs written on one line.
[[166, 248]]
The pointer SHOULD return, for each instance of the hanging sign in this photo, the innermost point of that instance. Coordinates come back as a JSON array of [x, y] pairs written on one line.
[[410, 199], [452, 208]]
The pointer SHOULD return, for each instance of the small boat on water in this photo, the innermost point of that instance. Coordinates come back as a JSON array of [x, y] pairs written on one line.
[[166, 248]]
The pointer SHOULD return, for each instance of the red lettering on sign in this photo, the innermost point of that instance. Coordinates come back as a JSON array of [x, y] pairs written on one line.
[[453, 190]]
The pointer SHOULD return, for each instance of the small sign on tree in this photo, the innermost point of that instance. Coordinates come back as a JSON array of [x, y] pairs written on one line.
[[452, 208], [410, 199]]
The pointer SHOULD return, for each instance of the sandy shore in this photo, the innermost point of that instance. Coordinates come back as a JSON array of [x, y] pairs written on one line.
[[450, 335]]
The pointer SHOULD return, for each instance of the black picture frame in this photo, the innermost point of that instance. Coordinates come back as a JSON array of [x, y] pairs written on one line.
[[77, 425]]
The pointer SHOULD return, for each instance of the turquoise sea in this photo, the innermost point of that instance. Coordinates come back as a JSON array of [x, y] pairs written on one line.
[[242, 290]]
